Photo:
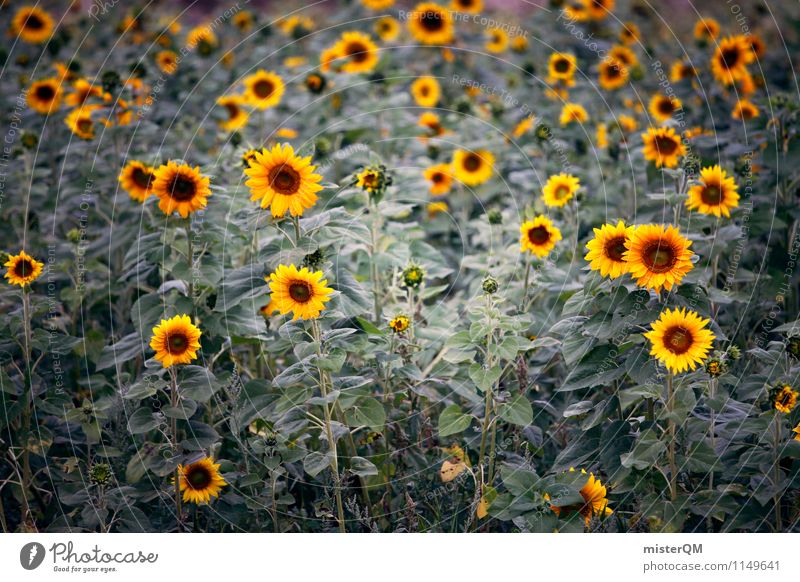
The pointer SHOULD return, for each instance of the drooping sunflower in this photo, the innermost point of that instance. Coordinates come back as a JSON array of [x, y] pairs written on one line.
[[82, 91], [680, 339], [181, 188], [560, 189], [200, 481], [706, 29], [539, 236], [472, 167], [561, 66], [496, 40], [22, 269], [32, 24], [613, 74], [283, 181], [202, 38], [624, 55], [300, 292], [680, 71], [175, 341], [44, 96], [607, 249], [167, 61], [658, 256], [784, 398], [663, 146], [441, 178], [630, 33], [730, 59], [136, 178], [237, 116], [432, 123], [467, 6], [430, 23], [663, 107], [80, 121], [744, 110], [573, 113], [426, 91], [358, 52], [594, 504], [387, 28], [263, 89], [715, 195]]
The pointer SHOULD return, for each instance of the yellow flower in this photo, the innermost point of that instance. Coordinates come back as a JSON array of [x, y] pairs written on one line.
[[430, 23], [706, 29], [291, 25], [283, 181], [80, 121], [680, 71], [45, 96], [387, 28], [399, 323], [83, 90], [627, 123], [263, 89], [629, 34], [286, 132], [561, 66], [472, 168], [599, 9], [560, 189], [663, 147], [22, 269], [716, 195], [524, 125], [519, 43], [237, 116], [32, 24], [594, 500], [181, 188], [200, 481], [467, 6], [784, 398], [378, 4], [657, 256], [607, 249], [435, 208], [663, 107], [573, 113], [175, 341], [136, 178], [201, 35], [357, 51], [497, 41], [624, 55], [680, 339], [796, 431], [613, 74], [441, 178], [730, 60], [744, 110], [539, 236], [303, 293], [243, 20], [426, 91], [601, 136], [167, 61]]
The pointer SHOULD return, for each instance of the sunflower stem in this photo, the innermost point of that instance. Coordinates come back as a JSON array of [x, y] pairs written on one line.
[[712, 385], [173, 399], [671, 430], [373, 265], [297, 235], [27, 476], [190, 259], [777, 470]]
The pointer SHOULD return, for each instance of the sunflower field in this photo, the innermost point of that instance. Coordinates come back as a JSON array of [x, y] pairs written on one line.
[[386, 266]]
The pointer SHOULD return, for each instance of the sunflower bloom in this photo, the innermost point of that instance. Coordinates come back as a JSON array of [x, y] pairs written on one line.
[[441, 178], [658, 257], [181, 188], [45, 96], [784, 398], [730, 59], [594, 497], [283, 181], [539, 236], [200, 481], [560, 189], [680, 339], [263, 89], [357, 51], [32, 24], [473, 167], [573, 113], [663, 107], [237, 116], [300, 292], [430, 23], [663, 147], [426, 91], [175, 341], [607, 249], [716, 195], [22, 269], [136, 178], [561, 66]]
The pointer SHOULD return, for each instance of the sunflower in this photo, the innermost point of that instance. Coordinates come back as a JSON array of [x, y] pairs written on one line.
[[573, 113], [426, 91], [472, 168], [80, 121], [599, 9], [680, 339], [237, 116], [283, 181], [629, 34], [624, 55], [296, 25], [441, 178], [744, 110], [359, 53], [378, 4], [497, 40], [716, 195], [387, 28], [730, 59], [200, 481], [784, 398], [243, 20], [263, 89], [434, 208], [82, 91], [663, 107], [136, 178], [519, 43], [706, 29], [663, 146], [613, 74], [181, 188], [167, 61], [680, 71], [601, 136], [561, 66], [399, 323], [328, 57], [302, 293], [657, 256], [607, 249], [45, 96], [539, 236], [316, 83], [627, 123], [175, 341], [202, 38], [22, 269], [468, 6], [560, 189], [594, 500], [32, 24], [430, 23], [523, 126], [796, 431]]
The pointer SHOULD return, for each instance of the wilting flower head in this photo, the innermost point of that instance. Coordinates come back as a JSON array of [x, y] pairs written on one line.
[[783, 398]]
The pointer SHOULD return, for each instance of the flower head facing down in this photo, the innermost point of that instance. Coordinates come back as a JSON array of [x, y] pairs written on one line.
[[607, 249], [22, 269], [680, 339], [175, 341], [657, 256], [303, 292], [200, 481], [181, 188], [539, 236], [282, 180]]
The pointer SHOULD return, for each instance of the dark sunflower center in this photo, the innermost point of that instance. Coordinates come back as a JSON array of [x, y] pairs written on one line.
[[263, 89], [438, 177], [34, 22], [425, 91], [85, 125], [182, 189], [472, 162], [538, 235], [198, 478], [300, 291], [141, 178], [678, 340], [729, 57], [659, 257], [357, 52], [711, 194], [23, 268], [431, 21], [233, 110], [314, 82], [665, 145], [613, 71], [615, 248], [177, 343], [665, 106], [561, 66], [370, 180], [562, 191], [45, 92], [785, 397], [284, 179]]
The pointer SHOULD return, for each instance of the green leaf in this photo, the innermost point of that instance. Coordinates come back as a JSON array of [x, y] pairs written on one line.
[[142, 421], [362, 467], [453, 421], [315, 462], [366, 412], [484, 378], [517, 411]]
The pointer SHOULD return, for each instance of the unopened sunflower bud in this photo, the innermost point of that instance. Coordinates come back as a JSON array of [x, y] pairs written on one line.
[[494, 216], [100, 474], [413, 275], [734, 353], [490, 285]]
